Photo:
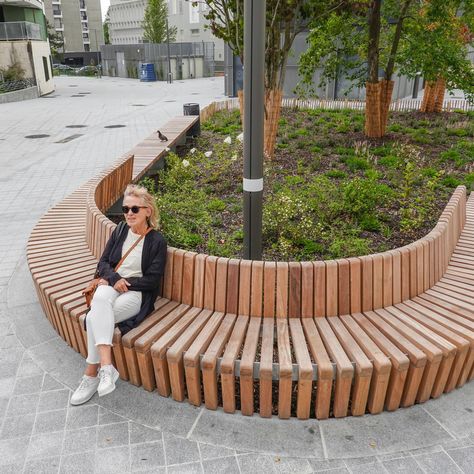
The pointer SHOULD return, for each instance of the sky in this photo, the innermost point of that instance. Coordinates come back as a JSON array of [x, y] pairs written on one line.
[[104, 4]]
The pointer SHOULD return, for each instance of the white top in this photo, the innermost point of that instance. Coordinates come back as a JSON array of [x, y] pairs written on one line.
[[132, 265]]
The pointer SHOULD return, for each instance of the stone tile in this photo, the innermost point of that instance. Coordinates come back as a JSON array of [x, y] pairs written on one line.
[[6, 328], [23, 404], [323, 465], [112, 435], [180, 450], [45, 445], [6, 386], [18, 426], [385, 433], [143, 434], [357, 461], [12, 468], [42, 466], [9, 342], [402, 466], [372, 468], [437, 462], [53, 400], [107, 417], [82, 416], [50, 384], [147, 456], [255, 462], [78, 463], [28, 385], [80, 440], [464, 458], [28, 368], [292, 438], [9, 361], [210, 451], [3, 406], [112, 460], [458, 443], [292, 465], [13, 451], [47, 422], [217, 466], [191, 468]]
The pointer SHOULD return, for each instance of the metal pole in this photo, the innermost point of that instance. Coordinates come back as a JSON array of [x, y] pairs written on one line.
[[170, 76], [254, 52], [97, 50]]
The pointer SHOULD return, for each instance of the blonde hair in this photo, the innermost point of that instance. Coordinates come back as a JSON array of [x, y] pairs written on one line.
[[147, 200]]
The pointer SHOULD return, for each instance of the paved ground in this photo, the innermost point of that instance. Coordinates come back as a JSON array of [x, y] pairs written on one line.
[[132, 430]]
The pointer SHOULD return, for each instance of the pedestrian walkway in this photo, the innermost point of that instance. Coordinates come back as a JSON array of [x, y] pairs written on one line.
[[131, 429]]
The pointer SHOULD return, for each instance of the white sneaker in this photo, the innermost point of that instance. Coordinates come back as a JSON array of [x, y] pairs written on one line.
[[85, 391], [108, 375]]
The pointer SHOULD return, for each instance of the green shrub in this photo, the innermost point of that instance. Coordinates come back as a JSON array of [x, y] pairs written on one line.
[[338, 174], [370, 223], [355, 164], [388, 161], [450, 182]]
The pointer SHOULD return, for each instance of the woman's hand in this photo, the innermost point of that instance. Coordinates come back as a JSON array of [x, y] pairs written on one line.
[[103, 282], [122, 285]]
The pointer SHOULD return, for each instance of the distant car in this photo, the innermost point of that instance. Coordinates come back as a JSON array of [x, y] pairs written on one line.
[[63, 67], [87, 70]]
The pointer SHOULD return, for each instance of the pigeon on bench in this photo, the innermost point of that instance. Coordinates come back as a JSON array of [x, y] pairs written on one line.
[[161, 136]]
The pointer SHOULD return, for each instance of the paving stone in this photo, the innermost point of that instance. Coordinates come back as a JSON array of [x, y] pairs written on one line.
[[47, 422], [3, 406], [13, 451], [42, 466], [191, 468], [107, 417], [28, 368], [143, 434], [385, 433], [10, 361], [45, 445], [112, 435], [12, 468], [6, 386], [50, 384], [112, 460], [180, 450], [23, 404], [464, 458], [402, 466], [210, 451], [18, 426], [81, 440], [10, 341], [216, 466], [78, 463], [326, 464], [53, 400], [372, 468], [28, 385], [292, 465], [255, 462], [147, 456], [6, 328], [437, 462], [357, 461], [82, 416]]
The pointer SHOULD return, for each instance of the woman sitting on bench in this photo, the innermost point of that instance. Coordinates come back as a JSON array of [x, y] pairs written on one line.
[[130, 271]]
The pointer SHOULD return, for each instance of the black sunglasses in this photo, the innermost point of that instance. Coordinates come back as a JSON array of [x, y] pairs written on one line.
[[134, 209]]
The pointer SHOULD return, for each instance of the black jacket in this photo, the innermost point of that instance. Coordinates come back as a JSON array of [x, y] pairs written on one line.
[[153, 268]]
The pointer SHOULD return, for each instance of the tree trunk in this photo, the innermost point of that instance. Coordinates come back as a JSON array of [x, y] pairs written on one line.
[[272, 118], [429, 96], [439, 98], [372, 109], [386, 88], [240, 94]]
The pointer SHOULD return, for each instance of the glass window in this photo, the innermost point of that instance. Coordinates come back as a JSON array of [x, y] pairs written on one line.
[[46, 68], [193, 13]]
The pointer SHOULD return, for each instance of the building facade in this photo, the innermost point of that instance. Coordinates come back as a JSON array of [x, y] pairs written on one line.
[[126, 24], [25, 55], [79, 22]]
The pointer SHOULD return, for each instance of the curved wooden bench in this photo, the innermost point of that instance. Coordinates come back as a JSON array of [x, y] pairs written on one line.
[[319, 339]]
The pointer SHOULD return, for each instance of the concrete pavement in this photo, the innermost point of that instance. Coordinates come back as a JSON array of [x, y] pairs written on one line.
[[131, 429]]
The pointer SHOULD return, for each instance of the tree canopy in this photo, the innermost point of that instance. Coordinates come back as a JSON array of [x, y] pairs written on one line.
[[154, 22]]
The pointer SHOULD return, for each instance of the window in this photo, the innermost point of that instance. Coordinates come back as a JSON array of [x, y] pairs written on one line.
[[46, 68], [85, 35], [193, 13], [56, 12], [58, 23], [82, 4], [87, 47], [195, 31]]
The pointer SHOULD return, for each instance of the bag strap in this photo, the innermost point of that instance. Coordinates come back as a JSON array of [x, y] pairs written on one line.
[[131, 248]]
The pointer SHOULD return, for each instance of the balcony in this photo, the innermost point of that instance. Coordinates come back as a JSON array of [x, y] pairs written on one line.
[[21, 30]]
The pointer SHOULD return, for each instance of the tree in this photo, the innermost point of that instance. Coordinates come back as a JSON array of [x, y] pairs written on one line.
[[105, 26], [284, 20], [154, 22], [56, 40]]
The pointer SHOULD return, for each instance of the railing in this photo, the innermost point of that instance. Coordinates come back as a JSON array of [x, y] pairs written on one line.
[[21, 30], [11, 86]]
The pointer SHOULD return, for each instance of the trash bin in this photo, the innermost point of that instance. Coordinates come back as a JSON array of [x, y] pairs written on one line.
[[193, 109], [147, 72]]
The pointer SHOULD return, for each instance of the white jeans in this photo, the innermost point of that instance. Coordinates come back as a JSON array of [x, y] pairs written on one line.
[[108, 307]]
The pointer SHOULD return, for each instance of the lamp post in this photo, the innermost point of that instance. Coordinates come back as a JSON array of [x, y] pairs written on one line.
[[170, 76], [99, 72], [254, 63]]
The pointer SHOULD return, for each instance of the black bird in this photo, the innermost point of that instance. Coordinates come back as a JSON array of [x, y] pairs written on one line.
[[161, 136]]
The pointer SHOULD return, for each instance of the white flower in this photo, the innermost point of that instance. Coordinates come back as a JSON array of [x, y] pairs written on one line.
[[228, 140], [193, 150], [167, 148], [208, 154], [185, 163], [240, 137]]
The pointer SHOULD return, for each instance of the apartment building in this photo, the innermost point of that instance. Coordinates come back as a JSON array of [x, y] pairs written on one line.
[[24, 44], [78, 21]]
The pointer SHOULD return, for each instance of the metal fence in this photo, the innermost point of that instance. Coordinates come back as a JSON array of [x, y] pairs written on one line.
[[20, 30], [11, 86]]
